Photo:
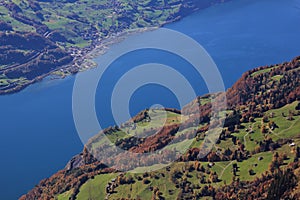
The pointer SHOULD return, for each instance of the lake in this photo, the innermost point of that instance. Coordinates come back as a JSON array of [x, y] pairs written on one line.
[[37, 129]]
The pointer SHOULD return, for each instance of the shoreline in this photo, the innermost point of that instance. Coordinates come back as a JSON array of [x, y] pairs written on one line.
[[104, 46], [86, 61]]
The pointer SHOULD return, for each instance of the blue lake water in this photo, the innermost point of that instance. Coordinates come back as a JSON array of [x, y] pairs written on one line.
[[37, 130]]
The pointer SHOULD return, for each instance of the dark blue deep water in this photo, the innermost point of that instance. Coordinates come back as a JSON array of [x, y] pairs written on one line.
[[37, 131]]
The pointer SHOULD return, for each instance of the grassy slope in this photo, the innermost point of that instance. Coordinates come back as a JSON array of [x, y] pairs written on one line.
[[65, 196], [95, 188], [287, 129]]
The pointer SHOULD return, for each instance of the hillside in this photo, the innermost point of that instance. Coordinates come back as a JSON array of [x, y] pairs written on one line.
[[42, 37], [256, 156]]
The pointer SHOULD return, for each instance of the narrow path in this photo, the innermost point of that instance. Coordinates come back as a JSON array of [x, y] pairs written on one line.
[[225, 169], [284, 130], [245, 140], [16, 66], [290, 127]]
